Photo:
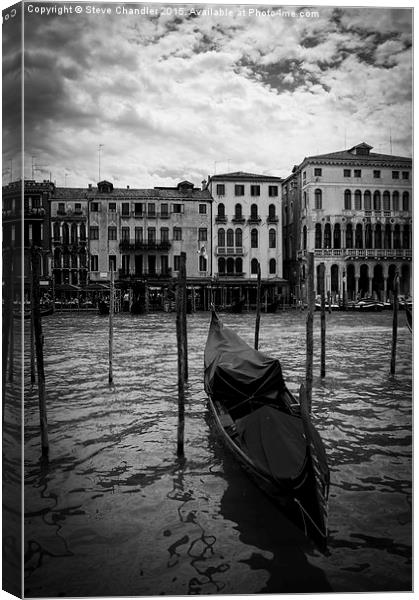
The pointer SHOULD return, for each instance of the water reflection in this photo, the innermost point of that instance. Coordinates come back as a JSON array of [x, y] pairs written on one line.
[[116, 513]]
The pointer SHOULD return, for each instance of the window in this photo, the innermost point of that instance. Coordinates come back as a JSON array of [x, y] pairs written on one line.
[[386, 200], [111, 206], [395, 175], [254, 266], [317, 172], [347, 201], [396, 197], [221, 237], [151, 235], [273, 190], [125, 234], [178, 208], [327, 236], [111, 233], [83, 232], [176, 262], [357, 173], [405, 175], [138, 209], [254, 238], [202, 263], [164, 234], [202, 209], [125, 209], [230, 238], [139, 234], [221, 188], [254, 211], [112, 262], [377, 200], [94, 262], [221, 265], [239, 190], [164, 209], [238, 211], [202, 234], [177, 233], [238, 237], [151, 209], [94, 232], [405, 201], [318, 199], [305, 199], [230, 265], [221, 211], [318, 236], [255, 190], [377, 174], [272, 266], [272, 211], [239, 265], [272, 238], [77, 207], [94, 207], [346, 172], [367, 200]]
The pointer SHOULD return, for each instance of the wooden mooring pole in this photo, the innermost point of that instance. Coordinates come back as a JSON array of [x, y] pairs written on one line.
[[309, 328], [39, 342], [257, 324], [181, 351], [111, 316], [395, 323], [322, 322]]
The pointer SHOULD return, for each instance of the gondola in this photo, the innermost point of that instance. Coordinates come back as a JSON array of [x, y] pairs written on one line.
[[44, 312], [268, 431], [408, 317]]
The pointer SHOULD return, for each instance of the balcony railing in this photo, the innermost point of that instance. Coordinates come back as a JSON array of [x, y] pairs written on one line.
[[272, 219], [227, 250], [230, 274], [359, 253], [132, 245], [157, 274], [238, 220], [220, 219], [255, 220]]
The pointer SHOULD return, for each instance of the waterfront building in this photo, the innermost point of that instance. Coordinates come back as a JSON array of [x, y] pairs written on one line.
[[354, 212], [247, 234], [30, 204]]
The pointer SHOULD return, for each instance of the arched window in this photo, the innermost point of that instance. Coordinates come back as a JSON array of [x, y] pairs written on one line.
[[272, 238], [57, 258], [230, 238], [327, 236], [378, 242], [349, 236], [56, 231], [74, 261], [272, 211], [238, 211], [396, 200], [221, 210], [406, 237], [387, 237], [336, 236], [406, 201], [74, 233], [254, 266], [239, 265], [368, 236], [304, 238], [358, 236], [221, 237], [318, 199], [318, 236], [230, 266], [83, 232], [396, 237], [272, 266], [386, 200], [367, 200], [377, 200], [254, 238], [221, 265], [305, 199], [348, 201], [254, 211], [239, 237], [83, 258]]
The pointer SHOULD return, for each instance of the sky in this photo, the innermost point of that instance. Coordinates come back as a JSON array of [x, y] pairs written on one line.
[[162, 98]]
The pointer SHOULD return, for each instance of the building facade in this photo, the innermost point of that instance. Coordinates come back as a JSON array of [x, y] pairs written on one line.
[[355, 214], [247, 233]]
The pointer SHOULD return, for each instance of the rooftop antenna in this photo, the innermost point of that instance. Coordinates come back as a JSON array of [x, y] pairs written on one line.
[[99, 149], [35, 167]]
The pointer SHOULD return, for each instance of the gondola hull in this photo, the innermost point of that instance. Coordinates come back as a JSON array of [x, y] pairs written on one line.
[[274, 441]]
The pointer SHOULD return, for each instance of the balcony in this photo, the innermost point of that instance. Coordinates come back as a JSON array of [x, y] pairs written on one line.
[[238, 220], [133, 245], [234, 275], [35, 212], [359, 253], [231, 251], [158, 274], [220, 219], [272, 219], [255, 220]]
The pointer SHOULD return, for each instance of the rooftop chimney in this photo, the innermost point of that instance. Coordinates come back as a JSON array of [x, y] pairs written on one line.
[[90, 186]]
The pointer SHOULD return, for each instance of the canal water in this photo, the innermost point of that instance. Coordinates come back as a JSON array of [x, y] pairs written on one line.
[[115, 512]]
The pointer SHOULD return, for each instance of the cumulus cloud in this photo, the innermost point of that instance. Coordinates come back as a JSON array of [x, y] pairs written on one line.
[[173, 98]]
